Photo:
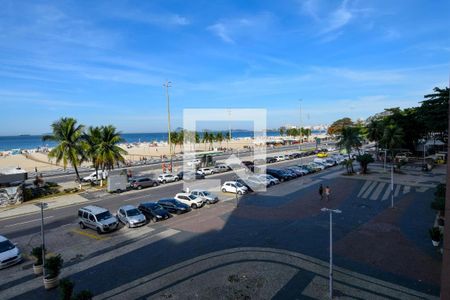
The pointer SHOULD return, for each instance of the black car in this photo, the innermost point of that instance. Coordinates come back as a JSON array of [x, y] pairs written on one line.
[[190, 175], [249, 164], [153, 211], [174, 206], [290, 173], [244, 184], [270, 159], [278, 174]]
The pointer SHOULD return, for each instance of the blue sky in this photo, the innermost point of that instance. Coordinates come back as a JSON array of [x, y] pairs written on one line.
[[105, 62]]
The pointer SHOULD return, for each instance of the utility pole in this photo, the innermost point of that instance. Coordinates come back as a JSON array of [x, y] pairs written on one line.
[[331, 211], [445, 272], [167, 85], [392, 181], [42, 205], [301, 123]]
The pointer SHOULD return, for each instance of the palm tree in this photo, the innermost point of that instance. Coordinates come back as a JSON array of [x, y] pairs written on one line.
[[392, 137], [282, 131], [205, 138], [375, 132], [92, 139], [69, 137], [349, 138], [219, 138], [109, 153]]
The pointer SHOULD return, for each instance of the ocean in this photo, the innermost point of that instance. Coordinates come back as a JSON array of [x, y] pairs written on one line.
[[24, 142]]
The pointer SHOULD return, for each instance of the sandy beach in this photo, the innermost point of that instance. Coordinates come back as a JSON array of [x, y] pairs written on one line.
[[136, 151]]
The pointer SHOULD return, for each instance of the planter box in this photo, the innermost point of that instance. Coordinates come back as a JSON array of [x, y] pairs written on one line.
[[51, 283]]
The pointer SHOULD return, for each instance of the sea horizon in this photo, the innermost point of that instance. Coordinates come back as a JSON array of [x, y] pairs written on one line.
[[30, 142]]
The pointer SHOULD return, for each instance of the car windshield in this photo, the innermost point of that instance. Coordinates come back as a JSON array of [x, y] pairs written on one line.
[[192, 197], [103, 216], [238, 184], [206, 193], [6, 246], [133, 212]]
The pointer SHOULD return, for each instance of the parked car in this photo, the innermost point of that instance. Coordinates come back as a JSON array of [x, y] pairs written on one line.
[[97, 218], [248, 164], [317, 166], [206, 170], [189, 199], [280, 157], [207, 196], [296, 170], [270, 159], [143, 182], [131, 216], [174, 206], [9, 253], [322, 154], [290, 173], [167, 177], [259, 162], [309, 168], [189, 175], [269, 179], [234, 187], [219, 168], [102, 175], [194, 162], [331, 161], [153, 211], [281, 176]]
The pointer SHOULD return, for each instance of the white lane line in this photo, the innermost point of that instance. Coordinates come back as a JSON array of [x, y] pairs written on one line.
[[364, 187], [26, 222], [377, 191]]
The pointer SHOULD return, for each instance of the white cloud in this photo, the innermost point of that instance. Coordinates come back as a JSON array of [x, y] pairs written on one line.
[[338, 18], [250, 27]]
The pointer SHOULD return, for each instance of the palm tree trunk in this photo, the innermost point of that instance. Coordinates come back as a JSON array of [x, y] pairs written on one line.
[[76, 172]]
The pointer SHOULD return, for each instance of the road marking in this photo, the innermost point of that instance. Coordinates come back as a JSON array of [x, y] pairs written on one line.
[[26, 222], [369, 189], [377, 191], [397, 190], [406, 189], [387, 193], [90, 235]]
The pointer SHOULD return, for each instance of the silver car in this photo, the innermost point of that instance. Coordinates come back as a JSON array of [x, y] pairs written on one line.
[[207, 197], [131, 216], [9, 253]]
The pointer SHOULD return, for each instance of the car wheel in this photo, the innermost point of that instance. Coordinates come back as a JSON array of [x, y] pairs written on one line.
[[164, 182], [82, 226], [176, 179], [178, 212], [224, 190], [128, 224], [139, 187], [155, 184], [99, 231], [281, 179], [194, 206], [239, 192]]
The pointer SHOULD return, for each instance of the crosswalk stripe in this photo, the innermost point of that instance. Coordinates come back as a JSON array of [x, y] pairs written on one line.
[[397, 190], [386, 193], [364, 187], [369, 189], [377, 191], [406, 189]]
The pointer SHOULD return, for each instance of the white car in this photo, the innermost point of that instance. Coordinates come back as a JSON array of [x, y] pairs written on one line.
[[102, 175], [206, 171], [234, 187], [189, 199], [9, 253], [272, 180], [194, 162], [164, 178], [219, 168], [207, 196], [279, 157]]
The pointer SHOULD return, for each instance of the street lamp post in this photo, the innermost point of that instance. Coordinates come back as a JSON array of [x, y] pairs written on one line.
[[331, 211], [167, 85], [42, 205], [392, 181]]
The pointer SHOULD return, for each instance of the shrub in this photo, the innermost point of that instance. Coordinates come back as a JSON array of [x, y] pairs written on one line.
[[53, 266], [36, 252], [364, 161], [435, 234], [66, 288]]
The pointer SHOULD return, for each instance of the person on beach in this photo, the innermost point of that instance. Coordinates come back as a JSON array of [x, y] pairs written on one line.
[[327, 193], [321, 192]]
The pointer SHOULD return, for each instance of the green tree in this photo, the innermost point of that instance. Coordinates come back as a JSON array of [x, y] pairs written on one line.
[[205, 138], [375, 132], [282, 130], [69, 136], [433, 112], [348, 139], [92, 139], [109, 152], [219, 137], [392, 138], [338, 125], [364, 161]]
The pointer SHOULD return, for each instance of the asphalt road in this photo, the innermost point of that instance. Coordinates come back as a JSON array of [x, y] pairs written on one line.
[[70, 175], [29, 224]]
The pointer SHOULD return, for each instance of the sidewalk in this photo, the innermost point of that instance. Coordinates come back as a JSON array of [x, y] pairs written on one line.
[[30, 207]]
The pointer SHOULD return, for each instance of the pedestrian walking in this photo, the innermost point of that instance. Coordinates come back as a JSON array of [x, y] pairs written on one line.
[[327, 193], [321, 192]]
